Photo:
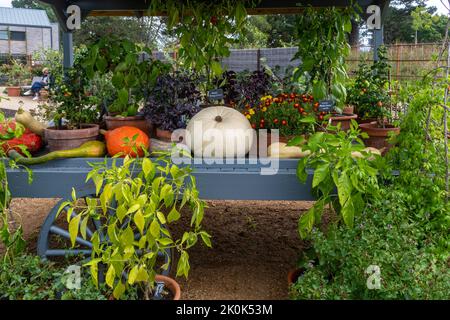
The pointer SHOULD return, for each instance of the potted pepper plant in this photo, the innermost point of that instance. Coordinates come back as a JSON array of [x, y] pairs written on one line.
[[137, 204], [371, 96], [72, 109], [369, 91]]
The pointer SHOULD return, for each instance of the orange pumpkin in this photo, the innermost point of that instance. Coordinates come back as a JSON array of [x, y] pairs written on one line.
[[124, 139]]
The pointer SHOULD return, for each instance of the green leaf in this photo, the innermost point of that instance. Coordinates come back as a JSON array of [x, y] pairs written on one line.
[[155, 229], [73, 228], [344, 187], [167, 195], [296, 141], [139, 221], [133, 274], [135, 207], [142, 274], [206, 238], [119, 290], [216, 68], [348, 213], [306, 223], [123, 96], [121, 212], [127, 236], [161, 217], [320, 174], [148, 167], [319, 90], [83, 226], [173, 215], [110, 276], [302, 175]]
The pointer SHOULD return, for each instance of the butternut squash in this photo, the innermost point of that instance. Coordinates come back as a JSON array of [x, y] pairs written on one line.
[[90, 149], [24, 117]]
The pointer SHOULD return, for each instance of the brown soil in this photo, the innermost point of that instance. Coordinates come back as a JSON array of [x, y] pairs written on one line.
[[255, 244]]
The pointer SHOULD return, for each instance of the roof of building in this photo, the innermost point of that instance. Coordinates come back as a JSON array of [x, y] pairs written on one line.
[[24, 17]]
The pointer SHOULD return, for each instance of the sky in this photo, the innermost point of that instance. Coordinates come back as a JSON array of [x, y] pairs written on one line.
[[436, 3]]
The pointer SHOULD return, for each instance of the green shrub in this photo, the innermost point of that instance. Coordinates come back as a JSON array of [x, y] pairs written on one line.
[[30, 278], [381, 237]]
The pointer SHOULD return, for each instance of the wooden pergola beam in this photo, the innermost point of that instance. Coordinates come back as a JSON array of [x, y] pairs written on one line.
[[139, 8]]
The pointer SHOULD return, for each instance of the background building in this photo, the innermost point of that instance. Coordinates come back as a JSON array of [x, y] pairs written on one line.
[[24, 31]]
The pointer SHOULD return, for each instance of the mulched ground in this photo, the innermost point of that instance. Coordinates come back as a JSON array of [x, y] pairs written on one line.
[[255, 243]]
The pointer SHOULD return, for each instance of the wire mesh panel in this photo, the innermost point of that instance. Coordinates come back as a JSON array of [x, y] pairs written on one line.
[[240, 60]]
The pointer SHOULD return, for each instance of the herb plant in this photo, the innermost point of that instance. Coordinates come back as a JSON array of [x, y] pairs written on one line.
[[134, 199], [173, 100]]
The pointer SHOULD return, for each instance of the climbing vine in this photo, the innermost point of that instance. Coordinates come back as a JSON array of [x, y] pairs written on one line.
[[206, 30]]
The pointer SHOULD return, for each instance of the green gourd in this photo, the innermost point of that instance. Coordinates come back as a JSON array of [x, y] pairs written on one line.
[[90, 149]]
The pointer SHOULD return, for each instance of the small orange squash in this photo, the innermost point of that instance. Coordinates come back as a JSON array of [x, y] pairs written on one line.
[[126, 140]]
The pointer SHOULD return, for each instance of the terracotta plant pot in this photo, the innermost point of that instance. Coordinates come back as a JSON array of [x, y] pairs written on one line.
[[113, 122], [163, 135], [13, 91], [344, 120], [65, 139], [378, 136], [293, 275], [170, 284], [43, 95], [348, 110], [368, 120]]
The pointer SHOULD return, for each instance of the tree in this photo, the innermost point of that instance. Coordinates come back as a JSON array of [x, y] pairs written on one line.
[[134, 29], [31, 4], [405, 17]]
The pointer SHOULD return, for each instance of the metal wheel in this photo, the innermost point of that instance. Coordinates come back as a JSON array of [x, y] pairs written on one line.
[[54, 238]]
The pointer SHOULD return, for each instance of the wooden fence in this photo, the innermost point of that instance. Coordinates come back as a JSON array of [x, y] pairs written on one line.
[[408, 61]]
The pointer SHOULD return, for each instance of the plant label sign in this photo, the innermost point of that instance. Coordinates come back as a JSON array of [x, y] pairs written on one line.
[[326, 105], [216, 94]]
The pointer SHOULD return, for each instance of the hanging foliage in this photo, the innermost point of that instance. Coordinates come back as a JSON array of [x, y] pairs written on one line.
[[206, 30], [322, 48]]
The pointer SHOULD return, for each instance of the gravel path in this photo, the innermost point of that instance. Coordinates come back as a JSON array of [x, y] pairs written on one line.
[[255, 243]]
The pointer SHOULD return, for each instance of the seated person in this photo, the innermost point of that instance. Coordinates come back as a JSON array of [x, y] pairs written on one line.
[[38, 85]]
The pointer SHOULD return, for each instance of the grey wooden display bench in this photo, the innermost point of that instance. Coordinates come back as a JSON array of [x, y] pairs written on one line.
[[56, 179]]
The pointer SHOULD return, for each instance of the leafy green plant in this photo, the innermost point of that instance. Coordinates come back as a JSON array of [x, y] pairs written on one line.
[[37, 279], [385, 237], [18, 73], [206, 31], [340, 165], [70, 98], [132, 199], [133, 72], [322, 48], [369, 93]]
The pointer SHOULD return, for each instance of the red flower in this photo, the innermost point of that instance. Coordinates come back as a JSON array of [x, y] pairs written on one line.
[[284, 122], [275, 121]]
